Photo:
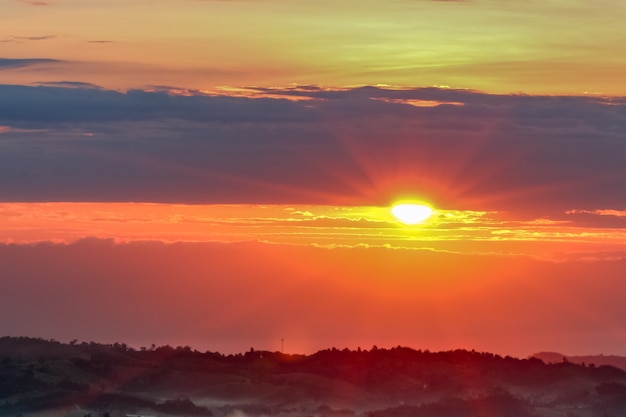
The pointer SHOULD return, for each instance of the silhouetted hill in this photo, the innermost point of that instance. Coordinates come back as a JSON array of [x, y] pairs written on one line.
[[77, 379], [592, 360]]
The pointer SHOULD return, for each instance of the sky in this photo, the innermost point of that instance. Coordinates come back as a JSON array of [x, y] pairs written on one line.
[[220, 174]]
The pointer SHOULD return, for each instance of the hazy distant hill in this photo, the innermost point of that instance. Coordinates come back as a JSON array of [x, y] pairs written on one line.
[[78, 379], [595, 360]]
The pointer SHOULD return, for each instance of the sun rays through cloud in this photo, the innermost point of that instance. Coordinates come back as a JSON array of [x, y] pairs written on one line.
[[218, 158]]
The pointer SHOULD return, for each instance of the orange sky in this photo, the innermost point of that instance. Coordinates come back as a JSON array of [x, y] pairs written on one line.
[[220, 173]]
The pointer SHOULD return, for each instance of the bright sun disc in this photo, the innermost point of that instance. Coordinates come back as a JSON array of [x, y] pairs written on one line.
[[409, 213]]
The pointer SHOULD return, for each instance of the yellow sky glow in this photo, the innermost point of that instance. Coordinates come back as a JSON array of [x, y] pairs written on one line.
[[551, 47], [325, 226]]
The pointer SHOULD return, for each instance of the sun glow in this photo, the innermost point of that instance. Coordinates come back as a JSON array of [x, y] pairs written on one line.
[[410, 213]]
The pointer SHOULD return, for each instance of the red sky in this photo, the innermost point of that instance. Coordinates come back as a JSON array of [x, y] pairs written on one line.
[[220, 174]]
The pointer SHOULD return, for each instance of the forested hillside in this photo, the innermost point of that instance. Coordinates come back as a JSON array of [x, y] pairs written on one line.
[[78, 379]]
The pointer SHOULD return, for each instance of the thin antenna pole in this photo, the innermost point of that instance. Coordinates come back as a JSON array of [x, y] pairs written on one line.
[[282, 345]]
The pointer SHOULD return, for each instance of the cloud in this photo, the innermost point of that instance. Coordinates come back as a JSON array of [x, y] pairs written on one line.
[[18, 39], [69, 84], [7, 129], [537, 155], [33, 2], [24, 62], [598, 218]]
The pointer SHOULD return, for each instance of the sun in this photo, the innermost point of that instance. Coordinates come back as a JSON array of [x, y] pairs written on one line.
[[411, 213]]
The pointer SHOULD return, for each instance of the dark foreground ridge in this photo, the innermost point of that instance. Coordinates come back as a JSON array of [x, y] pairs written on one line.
[[49, 378]]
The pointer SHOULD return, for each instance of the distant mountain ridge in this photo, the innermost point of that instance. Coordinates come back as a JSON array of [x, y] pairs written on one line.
[[590, 360], [114, 380]]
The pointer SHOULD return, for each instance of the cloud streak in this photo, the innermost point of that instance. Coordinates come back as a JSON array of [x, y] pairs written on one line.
[[69, 84], [18, 39], [6, 63], [33, 2]]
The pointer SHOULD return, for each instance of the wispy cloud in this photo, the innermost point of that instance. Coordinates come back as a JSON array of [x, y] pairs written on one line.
[[25, 62], [9, 129], [447, 231], [617, 213], [18, 39], [69, 84], [34, 2]]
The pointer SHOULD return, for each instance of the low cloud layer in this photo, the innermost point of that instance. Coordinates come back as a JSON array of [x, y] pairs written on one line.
[[459, 149]]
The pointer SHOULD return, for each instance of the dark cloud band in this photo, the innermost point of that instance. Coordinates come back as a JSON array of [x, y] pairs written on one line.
[[459, 148]]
